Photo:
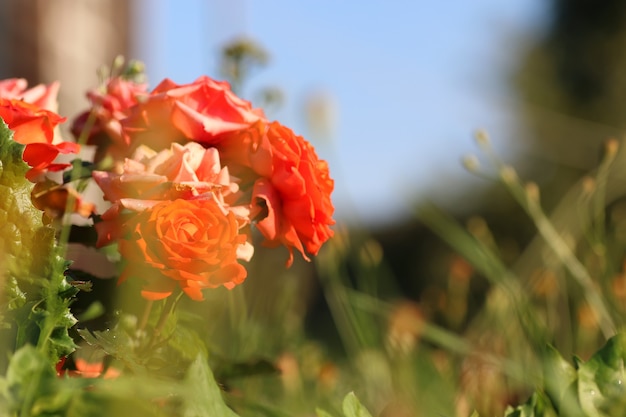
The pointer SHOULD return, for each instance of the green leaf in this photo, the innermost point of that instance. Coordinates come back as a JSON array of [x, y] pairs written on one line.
[[203, 396], [536, 406], [80, 170], [560, 380], [31, 264], [353, 408], [116, 343], [28, 378], [322, 413], [187, 342], [26, 362], [11, 152], [135, 396], [602, 380], [95, 310], [254, 367]]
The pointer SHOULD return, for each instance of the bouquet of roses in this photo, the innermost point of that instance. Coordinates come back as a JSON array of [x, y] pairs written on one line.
[[188, 173]]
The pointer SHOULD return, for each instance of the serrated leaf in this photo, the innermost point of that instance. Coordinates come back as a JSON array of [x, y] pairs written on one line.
[[10, 151], [20, 222], [602, 380], [61, 343], [203, 396], [112, 342], [31, 263], [353, 408]]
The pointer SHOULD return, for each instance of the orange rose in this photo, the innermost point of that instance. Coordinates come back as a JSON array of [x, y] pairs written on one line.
[[85, 369], [291, 199], [192, 244], [181, 172], [34, 127], [201, 111]]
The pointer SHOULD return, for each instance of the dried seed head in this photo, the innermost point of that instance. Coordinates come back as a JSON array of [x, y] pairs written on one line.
[[532, 191], [482, 138], [471, 163]]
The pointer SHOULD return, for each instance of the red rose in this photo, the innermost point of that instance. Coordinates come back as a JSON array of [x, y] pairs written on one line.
[[292, 186], [191, 244], [34, 127]]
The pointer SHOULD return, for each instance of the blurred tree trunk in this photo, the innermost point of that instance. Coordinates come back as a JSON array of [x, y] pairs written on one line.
[[65, 40]]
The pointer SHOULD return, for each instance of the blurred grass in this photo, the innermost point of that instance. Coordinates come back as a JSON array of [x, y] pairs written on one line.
[[430, 355]]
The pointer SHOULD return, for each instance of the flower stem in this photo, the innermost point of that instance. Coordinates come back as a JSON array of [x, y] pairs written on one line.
[[66, 224], [146, 315], [168, 309]]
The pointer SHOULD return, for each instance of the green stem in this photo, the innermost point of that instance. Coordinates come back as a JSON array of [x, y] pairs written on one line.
[[146, 314], [456, 344], [550, 235], [561, 249], [71, 200], [575, 267], [168, 309]]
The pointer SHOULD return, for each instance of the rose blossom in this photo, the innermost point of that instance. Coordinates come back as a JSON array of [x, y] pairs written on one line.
[[34, 127], [187, 185], [31, 115], [287, 186], [292, 186], [109, 106], [201, 111], [192, 244], [42, 96], [186, 172]]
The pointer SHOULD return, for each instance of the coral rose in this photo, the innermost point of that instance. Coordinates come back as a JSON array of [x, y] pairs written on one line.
[[34, 127], [42, 96], [202, 111], [291, 195], [191, 244], [109, 106]]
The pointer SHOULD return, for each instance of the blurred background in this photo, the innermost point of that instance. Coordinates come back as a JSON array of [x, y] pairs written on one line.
[[389, 93]]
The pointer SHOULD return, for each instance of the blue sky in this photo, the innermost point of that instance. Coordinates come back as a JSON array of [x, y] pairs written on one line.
[[409, 81]]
